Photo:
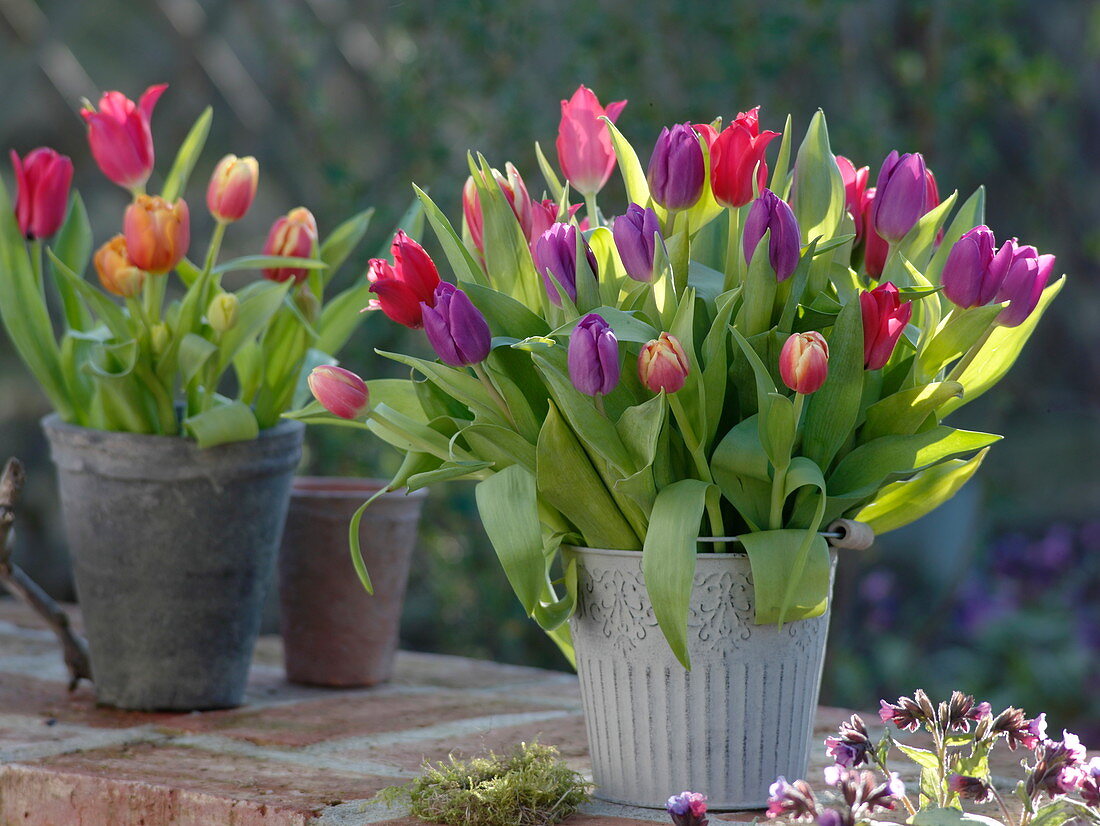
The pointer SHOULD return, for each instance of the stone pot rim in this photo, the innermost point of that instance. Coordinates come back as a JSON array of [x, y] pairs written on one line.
[[53, 421], [584, 549], [348, 487]]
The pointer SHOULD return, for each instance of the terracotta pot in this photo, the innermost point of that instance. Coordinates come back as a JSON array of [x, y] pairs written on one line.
[[334, 632]]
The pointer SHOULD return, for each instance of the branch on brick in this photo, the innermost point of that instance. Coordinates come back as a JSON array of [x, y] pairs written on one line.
[[12, 577]]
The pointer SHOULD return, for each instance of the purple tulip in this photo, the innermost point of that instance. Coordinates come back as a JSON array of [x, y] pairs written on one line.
[[635, 238], [901, 195], [769, 211], [556, 260], [455, 327], [968, 279], [676, 170], [1022, 275], [594, 356]]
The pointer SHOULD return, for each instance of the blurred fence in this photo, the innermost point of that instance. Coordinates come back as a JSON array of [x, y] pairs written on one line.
[[344, 103]]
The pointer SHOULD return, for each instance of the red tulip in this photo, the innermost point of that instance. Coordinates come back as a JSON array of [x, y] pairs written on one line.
[[804, 362], [875, 247], [855, 185], [121, 138], [737, 150], [292, 235], [232, 187], [42, 182], [157, 233], [401, 287], [116, 271], [663, 364], [340, 391], [584, 145], [885, 316]]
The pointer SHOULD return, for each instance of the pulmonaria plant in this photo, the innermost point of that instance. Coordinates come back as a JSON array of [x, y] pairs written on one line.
[[1058, 784], [751, 345], [142, 355]]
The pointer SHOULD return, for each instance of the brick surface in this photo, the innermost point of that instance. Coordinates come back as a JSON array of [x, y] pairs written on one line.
[[293, 755]]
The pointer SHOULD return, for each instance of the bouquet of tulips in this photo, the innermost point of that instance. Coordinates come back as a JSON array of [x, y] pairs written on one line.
[[126, 358], [743, 353]]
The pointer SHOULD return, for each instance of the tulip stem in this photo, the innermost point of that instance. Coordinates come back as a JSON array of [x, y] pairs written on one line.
[[598, 399], [479, 370], [591, 210], [36, 266], [733, 244], [779, 479]]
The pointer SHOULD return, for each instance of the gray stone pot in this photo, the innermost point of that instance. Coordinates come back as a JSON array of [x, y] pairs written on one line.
[[334, 632], [172, 551], [742, 716]]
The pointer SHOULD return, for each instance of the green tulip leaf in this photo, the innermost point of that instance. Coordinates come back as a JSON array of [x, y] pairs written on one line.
[[232, 422], [190, 150], [774, 557], [668, 558], [832, 412], [866, 468], [462, 263], [901, 503], [818, 194]]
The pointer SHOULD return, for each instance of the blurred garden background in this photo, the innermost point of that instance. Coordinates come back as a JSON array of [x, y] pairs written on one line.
[[345, 103]]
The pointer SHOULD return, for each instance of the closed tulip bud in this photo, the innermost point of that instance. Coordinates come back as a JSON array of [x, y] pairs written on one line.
[[223, 312], [855, 184], [158, 338], [456, 328], [555, 258], [663, 364], [594, 356], [232, 188], [804, 362], [584, 146], [42, 181], [901, 195], [292, 235], [157, 233], [515, 192], [736, 152], [121, 138], [636, 235], [1023, 275], [676, 170], [340, 391], [885, 317], [770, 212], [875, 247], [402, 287], [117, 273], [968, 280]]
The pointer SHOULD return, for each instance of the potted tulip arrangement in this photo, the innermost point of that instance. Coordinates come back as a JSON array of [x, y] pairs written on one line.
[[665, 411], [175, 466]]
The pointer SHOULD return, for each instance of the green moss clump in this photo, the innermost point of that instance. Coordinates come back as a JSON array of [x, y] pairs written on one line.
[[529, 787]]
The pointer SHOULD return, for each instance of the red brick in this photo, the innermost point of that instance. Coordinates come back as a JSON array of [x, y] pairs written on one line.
[[308, 722], [567, 733], [171, 786]]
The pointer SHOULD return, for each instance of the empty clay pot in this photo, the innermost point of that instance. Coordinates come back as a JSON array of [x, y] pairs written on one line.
[[334, 632]]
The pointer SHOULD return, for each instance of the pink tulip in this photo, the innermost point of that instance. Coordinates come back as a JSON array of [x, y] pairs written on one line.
[[855, 185], [584, 145], [804, 362], [663, 364], [885, 317], [292, 235], [120, 136], [42, 181], [341, 392], [232, 187]]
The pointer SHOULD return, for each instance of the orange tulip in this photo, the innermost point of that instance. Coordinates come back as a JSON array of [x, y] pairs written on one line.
[[117, 273], [157, 232]]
